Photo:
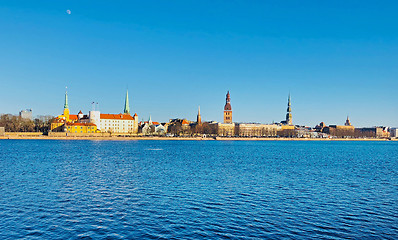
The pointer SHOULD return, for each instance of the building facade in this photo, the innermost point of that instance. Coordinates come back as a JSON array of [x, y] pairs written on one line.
[[394, 132], [226, 129], [257, 130], [118, 123], [80, 127]]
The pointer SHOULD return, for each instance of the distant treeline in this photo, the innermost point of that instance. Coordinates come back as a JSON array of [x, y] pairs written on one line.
[[12, 123]]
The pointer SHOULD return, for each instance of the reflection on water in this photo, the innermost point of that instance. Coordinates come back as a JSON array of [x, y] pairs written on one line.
[[198, 189]]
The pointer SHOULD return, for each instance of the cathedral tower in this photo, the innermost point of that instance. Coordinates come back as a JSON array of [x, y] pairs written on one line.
[[228, 109], [289, 113]]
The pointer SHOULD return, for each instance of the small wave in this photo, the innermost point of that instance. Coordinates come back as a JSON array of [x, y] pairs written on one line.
[[154, 149]]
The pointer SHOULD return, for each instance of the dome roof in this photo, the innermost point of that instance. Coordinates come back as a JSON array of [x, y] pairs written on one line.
[[228, 106]]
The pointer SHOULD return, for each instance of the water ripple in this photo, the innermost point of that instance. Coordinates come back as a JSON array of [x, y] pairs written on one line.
[[198, 190]]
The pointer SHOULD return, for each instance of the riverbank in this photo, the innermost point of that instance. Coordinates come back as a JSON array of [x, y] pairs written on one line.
[[135, 138]]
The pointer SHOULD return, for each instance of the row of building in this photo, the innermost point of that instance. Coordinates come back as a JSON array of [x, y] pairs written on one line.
[[125, 123]]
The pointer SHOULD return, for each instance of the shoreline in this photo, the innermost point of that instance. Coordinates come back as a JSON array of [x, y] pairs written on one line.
[[187, 138]]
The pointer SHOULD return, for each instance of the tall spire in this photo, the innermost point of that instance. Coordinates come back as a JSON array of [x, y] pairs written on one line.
[[126, 103], [66, 99], [199, 118], [289, 112], [150, 120]]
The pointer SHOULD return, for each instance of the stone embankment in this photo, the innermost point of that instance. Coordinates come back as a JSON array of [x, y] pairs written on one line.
[[108, 136]]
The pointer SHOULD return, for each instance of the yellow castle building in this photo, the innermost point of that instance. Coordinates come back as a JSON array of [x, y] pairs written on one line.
[[75, 123]]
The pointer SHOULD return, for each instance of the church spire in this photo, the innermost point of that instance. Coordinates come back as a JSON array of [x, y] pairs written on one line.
[[126, 103], [289, 112], [228, 98], [150, 120], [199, 118], [66, 99]]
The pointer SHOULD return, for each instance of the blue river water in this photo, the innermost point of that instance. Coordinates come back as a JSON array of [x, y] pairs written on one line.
[[78, 189]]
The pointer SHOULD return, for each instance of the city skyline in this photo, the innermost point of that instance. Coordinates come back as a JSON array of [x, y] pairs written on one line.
[[333, 62], [126, 110]]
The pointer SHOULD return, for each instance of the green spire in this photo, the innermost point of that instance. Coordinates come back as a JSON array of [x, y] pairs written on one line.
[[126, 104], [66, 99]]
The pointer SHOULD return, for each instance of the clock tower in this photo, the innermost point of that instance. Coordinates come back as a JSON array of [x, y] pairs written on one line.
[[228, 109]]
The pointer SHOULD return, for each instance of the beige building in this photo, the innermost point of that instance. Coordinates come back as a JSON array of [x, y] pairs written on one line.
[[256, 129], [226, 129]]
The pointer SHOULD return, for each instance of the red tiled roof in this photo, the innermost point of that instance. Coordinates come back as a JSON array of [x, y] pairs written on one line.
[[57, 120], [116, 116], [73, 117], [153, 123], [81, 124], [185, 122]]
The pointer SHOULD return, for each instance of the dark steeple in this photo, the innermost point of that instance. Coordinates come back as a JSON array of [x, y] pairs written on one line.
[[228, 103], [228, 109], [289, 112]]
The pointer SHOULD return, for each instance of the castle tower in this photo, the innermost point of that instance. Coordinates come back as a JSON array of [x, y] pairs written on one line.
[[66, 106], [228, 109], [289, 113], [198, 117], [126, 104], [347, 122]]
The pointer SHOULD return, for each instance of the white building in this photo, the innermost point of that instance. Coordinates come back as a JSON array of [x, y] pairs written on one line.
[[152, 128], [26, 114], [118, 123], [113, 123]]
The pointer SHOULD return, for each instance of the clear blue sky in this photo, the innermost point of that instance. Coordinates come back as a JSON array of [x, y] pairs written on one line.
[[335, 57]]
